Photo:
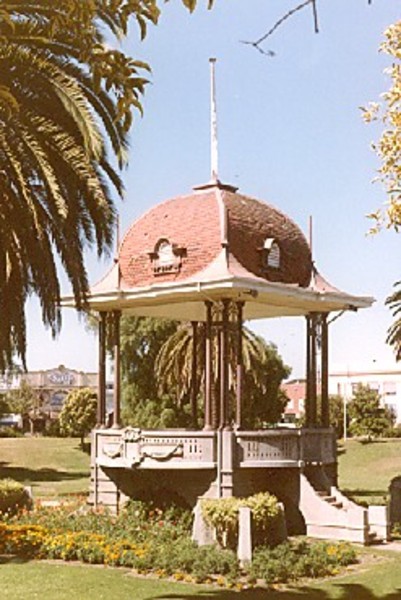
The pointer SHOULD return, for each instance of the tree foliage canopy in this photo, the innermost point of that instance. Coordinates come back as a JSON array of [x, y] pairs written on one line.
[[78, 415], [157, 374], [336, 410], [368, 417], [388, 148], [143, 404], [24, 400]]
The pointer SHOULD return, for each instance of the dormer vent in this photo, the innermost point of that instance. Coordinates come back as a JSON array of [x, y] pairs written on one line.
[[271, 253], [166, 257]]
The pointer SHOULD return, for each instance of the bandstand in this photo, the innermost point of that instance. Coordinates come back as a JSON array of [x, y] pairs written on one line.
[[220, 257]]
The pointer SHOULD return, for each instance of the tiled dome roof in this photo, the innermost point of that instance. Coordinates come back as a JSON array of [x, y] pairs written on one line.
[[181, 237]]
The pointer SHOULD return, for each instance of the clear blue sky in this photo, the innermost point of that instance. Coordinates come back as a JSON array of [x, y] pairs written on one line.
[[290, 132]]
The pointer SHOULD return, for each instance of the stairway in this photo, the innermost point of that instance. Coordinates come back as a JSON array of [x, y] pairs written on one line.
[[329, 514], [330, 499]]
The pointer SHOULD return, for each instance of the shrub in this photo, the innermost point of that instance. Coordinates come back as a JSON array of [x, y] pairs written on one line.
[[396, 531], [13, 497], [78, 414], [52, 429], [394, 432], [213, 560], [294, 560], [10, 432], [222, 515]]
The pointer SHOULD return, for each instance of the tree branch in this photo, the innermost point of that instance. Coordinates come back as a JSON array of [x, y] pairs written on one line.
[[257, 44]]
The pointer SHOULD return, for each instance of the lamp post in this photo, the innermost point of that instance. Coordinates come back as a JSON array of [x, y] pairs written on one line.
[[345, 418], [347, 383]]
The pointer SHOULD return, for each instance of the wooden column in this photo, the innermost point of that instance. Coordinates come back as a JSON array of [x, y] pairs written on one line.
[[325, 409], [308, 372], [194, 375], [240, 366], [101, 393], [208, 367], [117, 370], [313, 371], [224, 358]]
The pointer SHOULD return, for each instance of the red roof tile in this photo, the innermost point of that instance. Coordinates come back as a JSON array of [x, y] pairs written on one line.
[[201, 223]]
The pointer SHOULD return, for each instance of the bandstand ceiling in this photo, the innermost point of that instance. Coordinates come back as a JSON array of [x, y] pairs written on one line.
[[186, 302]]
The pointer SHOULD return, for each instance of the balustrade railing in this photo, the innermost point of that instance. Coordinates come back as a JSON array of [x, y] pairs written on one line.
[[286, 447], [133, 448], [274, 446]]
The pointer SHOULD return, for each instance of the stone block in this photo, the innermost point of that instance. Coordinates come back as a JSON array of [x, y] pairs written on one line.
[[379, 522], [244, 550], [202, 534]]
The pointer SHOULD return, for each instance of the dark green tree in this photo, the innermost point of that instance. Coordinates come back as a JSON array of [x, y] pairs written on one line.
[[66, 105], [59, 114], [156, 366], [25, 401], [368, 418], [4, 407], [263, 400], [336, 414], [78, 415], [142, 403], [264, 371]]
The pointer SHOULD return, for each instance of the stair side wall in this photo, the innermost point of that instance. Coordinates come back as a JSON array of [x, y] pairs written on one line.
[[379, 522], [326, 521]]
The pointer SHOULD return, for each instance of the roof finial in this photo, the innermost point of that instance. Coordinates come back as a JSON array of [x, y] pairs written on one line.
[[118, 240], [117, 251], [213, 123]]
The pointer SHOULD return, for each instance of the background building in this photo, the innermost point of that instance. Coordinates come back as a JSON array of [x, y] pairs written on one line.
[[52, 385], [386, 381], [295, 391]]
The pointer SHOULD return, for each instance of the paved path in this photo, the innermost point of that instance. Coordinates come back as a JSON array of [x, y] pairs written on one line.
[[393, 546]]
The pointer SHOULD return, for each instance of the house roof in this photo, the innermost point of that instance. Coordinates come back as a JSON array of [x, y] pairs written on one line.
[[214, 244], [204, 222]]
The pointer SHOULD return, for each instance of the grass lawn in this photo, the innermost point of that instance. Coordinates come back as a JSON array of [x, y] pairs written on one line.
[[55, 581], [365, 470], [53, 466]]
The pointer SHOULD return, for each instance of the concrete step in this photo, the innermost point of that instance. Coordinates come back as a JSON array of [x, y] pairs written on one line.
[[329, 499], [337, 504]]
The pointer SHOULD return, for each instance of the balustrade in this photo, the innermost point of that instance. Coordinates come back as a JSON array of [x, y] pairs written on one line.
[[133, 448], [155, 449]]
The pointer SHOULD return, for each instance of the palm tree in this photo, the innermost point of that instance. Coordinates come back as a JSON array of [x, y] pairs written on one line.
[[394, 331], [65, 106], [264, 371]]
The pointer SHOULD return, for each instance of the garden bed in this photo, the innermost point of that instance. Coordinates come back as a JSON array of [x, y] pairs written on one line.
[[156, 541]]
